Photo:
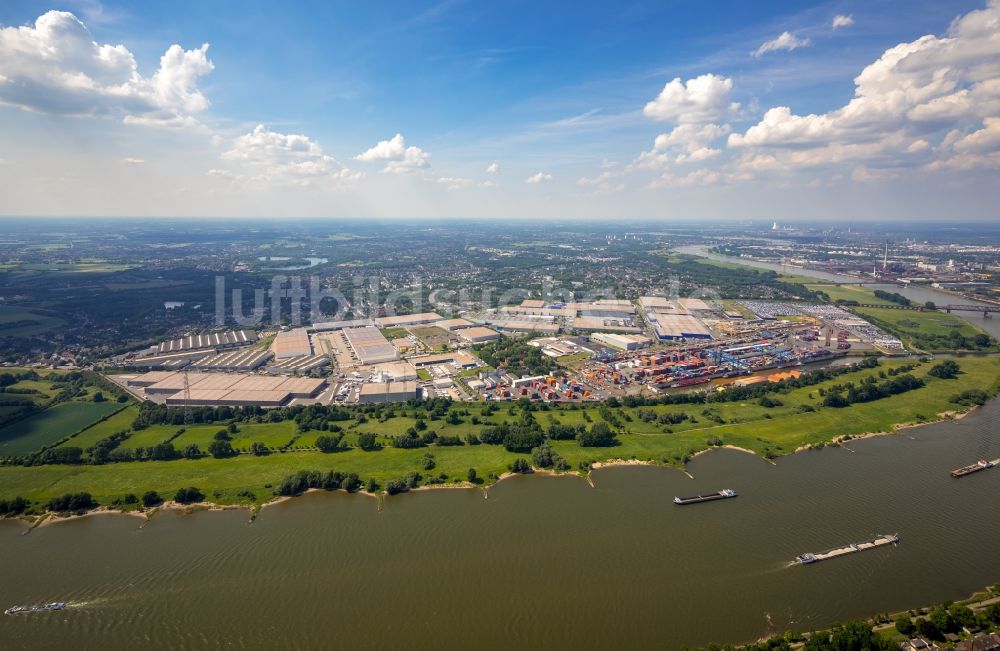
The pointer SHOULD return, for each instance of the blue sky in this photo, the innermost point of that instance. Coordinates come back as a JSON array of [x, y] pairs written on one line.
[[565, 98]]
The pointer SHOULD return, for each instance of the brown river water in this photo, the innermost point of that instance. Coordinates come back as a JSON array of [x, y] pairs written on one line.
[[544, 562]]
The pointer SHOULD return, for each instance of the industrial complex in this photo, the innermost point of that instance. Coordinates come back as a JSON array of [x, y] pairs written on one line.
[[603, 347]]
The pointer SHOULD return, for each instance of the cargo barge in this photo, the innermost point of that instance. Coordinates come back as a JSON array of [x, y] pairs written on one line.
[[982, 464], [44, 608], [724, 494], [880, 540]]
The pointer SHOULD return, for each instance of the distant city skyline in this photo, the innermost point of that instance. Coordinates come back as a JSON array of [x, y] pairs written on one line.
[[779, 111]]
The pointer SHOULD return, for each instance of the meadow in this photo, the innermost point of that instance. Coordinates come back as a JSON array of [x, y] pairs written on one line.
[[51, 426], [800, 420], [921, 329]]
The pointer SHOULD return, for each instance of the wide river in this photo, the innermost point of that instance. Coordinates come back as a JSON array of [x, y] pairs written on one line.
[[544, 562]]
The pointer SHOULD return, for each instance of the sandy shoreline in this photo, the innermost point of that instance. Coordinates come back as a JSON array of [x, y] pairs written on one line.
[[50, 518], [944, 416]]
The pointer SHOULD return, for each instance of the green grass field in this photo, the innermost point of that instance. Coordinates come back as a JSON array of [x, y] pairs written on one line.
[[50, 426], [910, 322], [273, 435], [911, 326], [115, 423], [16, 321], [849, 293], [777, 430]]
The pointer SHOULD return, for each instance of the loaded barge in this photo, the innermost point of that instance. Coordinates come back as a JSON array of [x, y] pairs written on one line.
[[725, 493], [982, 464], [878, 541], [44, 608]]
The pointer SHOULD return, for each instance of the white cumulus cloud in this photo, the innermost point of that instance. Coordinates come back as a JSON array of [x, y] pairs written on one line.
[[703, 99], [55, 66], [133, 161], [916, 91], [293, 159], [397, 156], [493, 168], [841, 20], [454, 182], [686, 143], [784, 41], [540, 177]]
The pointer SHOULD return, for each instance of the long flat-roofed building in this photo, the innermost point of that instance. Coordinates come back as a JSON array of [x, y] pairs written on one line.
[[458, 358], [292, 343], [407, 319], [395, 371], [298, 365], [233, 389], [242, 359], [678, 326], [454, 324], [215, 340], [605, 323], [620, 341], [370, 346], [387, 392], [478, 334]]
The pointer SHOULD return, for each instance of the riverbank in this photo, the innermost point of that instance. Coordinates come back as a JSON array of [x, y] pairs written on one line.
[[885, 625], [799, 422]]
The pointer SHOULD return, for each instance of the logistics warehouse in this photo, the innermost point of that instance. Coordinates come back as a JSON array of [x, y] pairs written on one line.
[[224, 389]]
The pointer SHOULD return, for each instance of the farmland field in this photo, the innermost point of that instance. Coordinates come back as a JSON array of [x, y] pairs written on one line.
[[273, 435], [20, 322], [50, 426], [113, 424]]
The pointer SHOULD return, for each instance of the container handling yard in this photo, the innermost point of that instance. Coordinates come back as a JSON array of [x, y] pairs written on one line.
[[880, 540]]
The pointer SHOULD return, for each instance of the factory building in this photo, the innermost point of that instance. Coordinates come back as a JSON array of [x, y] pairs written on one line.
[[407, 320], [621, 342], [233, 389], [394, 372], [369, 345], [171, 360], [695, 305], [678, 326], [374, 392], [454, 324], [292, 343], [478, 334], [329, 326], [298, 365], [458, 358], [234, 360], [213, 340], [605, 323]]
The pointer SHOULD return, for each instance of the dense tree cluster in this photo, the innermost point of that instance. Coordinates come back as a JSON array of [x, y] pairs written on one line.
[[515, 355], [303, 480], [545, 457], [946, 370], [188, 495], [12, 507], [893, 297], [970, 397], [330, 443], [598, 436], [72, 502], [843, 395]]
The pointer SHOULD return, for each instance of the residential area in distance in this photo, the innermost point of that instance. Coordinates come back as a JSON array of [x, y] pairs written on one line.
[[593, 315]]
